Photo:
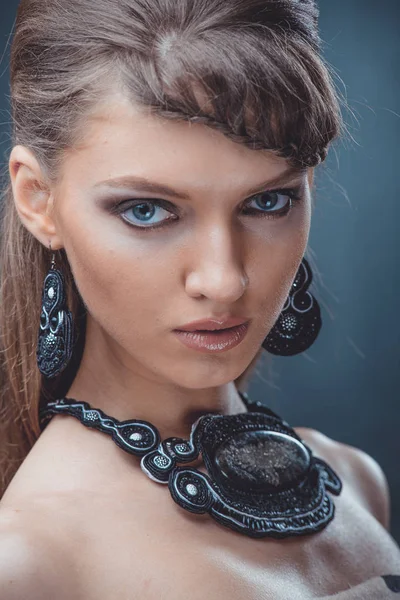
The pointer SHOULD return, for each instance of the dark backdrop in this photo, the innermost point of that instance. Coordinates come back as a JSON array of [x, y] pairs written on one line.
[[347, 384]]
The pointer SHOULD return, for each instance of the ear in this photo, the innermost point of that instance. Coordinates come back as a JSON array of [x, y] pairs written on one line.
[[32, 196]]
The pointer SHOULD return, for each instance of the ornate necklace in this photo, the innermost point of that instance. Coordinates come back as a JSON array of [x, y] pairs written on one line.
[[262, 480]]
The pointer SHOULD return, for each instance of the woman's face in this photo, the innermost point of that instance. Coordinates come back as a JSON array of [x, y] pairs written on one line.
[[226, 247]]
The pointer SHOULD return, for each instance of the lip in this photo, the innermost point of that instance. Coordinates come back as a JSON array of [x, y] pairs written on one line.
[[213, 341], [213, 324]]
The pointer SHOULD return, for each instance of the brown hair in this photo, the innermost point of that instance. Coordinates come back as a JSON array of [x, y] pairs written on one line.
[[258, 63]]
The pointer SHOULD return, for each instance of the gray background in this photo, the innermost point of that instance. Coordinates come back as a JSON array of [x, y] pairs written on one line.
[[346, 385]]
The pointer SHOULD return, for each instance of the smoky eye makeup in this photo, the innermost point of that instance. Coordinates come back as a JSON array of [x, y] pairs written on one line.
[[150, 213]]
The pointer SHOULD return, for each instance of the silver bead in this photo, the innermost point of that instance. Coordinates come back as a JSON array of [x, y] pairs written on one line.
[[191, 489], [91, 415]]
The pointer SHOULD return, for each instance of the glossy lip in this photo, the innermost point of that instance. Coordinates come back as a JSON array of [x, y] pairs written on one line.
[[213, 341], [212, 324]]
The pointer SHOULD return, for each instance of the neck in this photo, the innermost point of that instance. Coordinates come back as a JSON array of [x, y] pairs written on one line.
[[104, 381]]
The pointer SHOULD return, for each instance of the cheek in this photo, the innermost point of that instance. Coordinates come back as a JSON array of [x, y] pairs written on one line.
[[122, 280], [273, 274]]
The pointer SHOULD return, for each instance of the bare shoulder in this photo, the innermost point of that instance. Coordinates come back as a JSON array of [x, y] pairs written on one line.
[[357, 468], [30, 563]]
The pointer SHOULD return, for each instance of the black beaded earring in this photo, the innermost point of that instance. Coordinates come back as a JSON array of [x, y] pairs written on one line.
[[300, 321], [55, 340]]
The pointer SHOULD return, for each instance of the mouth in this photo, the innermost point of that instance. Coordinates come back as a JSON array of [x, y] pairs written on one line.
[[217, 340]]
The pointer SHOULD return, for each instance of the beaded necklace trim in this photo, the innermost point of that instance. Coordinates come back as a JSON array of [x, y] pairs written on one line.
[[262, 480]]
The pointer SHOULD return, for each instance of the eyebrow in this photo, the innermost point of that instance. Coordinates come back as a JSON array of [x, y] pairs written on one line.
[[142, 184]]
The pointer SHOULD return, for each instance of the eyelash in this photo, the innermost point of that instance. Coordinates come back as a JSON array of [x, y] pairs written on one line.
[[294, 195]]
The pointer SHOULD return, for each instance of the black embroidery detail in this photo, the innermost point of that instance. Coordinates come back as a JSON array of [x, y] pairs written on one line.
[[299, 322], [392, 582], [55, 340], [262, 480]]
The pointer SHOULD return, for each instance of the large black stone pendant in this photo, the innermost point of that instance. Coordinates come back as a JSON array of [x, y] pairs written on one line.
[[265, 461]]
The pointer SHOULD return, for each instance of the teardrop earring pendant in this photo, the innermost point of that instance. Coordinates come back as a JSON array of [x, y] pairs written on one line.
[[55, 338], [300, 321]]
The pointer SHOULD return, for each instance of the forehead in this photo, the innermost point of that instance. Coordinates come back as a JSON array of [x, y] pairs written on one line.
[[120, 139]]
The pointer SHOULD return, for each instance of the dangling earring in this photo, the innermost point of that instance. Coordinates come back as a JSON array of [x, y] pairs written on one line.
[[300, 321], [55, 340]]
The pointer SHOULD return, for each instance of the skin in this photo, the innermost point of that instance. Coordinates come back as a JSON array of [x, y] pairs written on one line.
[[82, 507]]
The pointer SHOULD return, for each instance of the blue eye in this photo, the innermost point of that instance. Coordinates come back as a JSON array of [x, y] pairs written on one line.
[[272, 204], [144, 212], [153, 214]]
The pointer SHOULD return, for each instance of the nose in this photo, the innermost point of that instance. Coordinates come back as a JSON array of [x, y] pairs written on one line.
[[217, 271]]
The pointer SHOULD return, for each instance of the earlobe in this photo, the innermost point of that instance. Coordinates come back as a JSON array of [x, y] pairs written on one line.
[[32, 196]]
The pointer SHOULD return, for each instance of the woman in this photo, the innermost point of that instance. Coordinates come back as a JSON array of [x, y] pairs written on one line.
[[160, 189]]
